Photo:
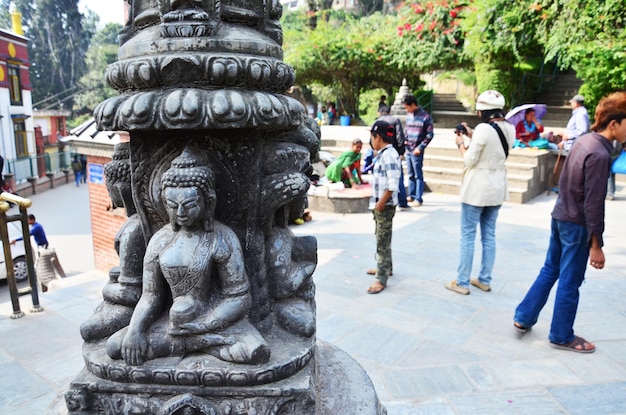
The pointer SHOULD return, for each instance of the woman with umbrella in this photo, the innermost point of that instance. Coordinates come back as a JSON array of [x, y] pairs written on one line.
[[526, 118], [528, 129]]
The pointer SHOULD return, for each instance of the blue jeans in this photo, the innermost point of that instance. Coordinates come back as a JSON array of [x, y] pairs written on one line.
[[566, 261], [77, 178], [470, 217], [416, 177], [402, 190]]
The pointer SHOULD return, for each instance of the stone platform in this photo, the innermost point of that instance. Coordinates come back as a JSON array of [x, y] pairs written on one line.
[[342, 387], [329, 199]]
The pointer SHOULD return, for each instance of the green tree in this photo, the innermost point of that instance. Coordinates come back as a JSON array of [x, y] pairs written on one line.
[[349, 54], [590, 37], [101, 53], [59, 41]]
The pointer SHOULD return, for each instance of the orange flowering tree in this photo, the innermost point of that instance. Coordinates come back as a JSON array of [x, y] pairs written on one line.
[[430, 35]]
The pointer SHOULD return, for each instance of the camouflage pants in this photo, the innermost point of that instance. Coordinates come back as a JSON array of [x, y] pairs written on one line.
[[384, 221]]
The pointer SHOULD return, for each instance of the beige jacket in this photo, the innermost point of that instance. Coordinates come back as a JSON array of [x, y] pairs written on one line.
[[484, 175]]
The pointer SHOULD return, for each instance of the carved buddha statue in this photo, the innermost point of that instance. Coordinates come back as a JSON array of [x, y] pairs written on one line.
[[122, 292], [196, 294]]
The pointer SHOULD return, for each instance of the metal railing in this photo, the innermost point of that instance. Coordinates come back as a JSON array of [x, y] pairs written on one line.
[[38, 165], [425, 100], [22, 218]]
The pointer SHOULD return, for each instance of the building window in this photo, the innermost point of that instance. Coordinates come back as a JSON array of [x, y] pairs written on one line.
[[15, 87], [21, 144], [60, 127]]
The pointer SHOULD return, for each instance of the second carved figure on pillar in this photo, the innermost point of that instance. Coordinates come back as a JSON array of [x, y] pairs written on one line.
[[196, 294]]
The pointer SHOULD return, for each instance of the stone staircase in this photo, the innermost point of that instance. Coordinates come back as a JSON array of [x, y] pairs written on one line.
[[529, 171], [448, 111], [556, 93]]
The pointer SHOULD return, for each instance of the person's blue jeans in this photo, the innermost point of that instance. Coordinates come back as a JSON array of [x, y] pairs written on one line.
[[471, 216], [77, 178], [611, 186], [566, 261], [402, 191], [416, 177]]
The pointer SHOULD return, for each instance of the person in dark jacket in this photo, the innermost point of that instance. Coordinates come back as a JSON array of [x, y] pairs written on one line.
[[577, 227]]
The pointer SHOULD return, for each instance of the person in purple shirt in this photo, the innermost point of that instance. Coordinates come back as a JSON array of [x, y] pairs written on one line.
[[36, 231], [577, 227]]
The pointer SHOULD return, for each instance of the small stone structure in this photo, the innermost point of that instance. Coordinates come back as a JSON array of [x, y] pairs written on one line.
[[212, 309]]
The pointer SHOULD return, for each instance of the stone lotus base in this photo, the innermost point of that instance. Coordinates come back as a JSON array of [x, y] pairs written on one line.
[[332, 383]]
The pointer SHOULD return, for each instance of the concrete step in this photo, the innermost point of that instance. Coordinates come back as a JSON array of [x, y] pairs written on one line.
[[447, 102], [451, 187], [449, 119]]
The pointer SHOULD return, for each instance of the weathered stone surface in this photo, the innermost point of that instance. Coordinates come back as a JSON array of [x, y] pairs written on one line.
[[217, 164]]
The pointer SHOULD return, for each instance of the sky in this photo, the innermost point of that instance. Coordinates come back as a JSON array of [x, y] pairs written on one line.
[[110, 11]]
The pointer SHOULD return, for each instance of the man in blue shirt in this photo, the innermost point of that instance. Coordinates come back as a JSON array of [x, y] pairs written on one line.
[[578, 123], [37, 232]]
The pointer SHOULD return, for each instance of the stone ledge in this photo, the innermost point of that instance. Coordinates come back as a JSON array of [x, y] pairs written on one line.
[[325, 199]]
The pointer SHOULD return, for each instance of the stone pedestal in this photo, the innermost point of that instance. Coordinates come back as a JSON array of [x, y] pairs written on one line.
[[212, 309], [331, 383]]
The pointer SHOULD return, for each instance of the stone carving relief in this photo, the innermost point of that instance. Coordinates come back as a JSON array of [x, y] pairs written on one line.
[[198, 263], [122, 292], [212, 308]]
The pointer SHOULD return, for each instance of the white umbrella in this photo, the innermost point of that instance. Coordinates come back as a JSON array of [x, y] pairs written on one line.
[[517, 114]]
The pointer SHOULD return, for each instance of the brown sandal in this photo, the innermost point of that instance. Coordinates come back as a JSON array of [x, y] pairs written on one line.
[[376, 288], [585, 346], [374, 270], [520, 328]]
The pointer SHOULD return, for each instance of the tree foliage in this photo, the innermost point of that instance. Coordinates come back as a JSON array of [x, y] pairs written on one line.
[[101, 53], [429, 35], [349, 54], [500, 40], [59, 41]]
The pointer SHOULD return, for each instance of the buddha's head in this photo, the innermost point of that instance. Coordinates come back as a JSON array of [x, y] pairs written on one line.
[[117, 174], [188, 192]]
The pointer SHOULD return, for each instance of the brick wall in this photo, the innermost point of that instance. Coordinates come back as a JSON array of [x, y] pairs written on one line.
[[105, 223]]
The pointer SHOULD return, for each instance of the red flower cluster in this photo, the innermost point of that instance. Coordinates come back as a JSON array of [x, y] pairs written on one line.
[[440, 16]]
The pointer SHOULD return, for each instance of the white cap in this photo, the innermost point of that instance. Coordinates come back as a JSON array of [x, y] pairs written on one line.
[[490, 100]]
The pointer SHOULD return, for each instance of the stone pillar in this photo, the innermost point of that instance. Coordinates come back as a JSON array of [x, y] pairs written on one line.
[[212, 309]]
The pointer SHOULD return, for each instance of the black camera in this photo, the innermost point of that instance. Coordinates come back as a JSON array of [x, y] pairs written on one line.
[[460, 129]]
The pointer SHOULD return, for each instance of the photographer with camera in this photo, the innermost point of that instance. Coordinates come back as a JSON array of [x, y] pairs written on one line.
[[484, 188], [463, 133]]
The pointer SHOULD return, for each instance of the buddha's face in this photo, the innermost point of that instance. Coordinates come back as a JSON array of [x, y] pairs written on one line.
[[185, 205]]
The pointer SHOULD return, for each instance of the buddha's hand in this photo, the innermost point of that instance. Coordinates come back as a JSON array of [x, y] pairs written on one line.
[[134, 348], [201, 326]]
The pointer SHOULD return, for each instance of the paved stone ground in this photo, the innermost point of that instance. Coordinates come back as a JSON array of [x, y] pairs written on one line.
[[426, 349]]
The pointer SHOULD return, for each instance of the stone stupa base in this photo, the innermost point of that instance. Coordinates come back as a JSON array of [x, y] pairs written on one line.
[[338, 386]]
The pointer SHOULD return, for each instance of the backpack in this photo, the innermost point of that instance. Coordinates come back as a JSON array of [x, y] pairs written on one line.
[[76, 166]]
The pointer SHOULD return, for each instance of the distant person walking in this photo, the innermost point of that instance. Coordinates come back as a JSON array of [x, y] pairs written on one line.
[[83, 170], [483, 190], [77, 167], [577, 227], [384, 199], [36, 231], [578, 123], [418, 132], [398, 144]]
